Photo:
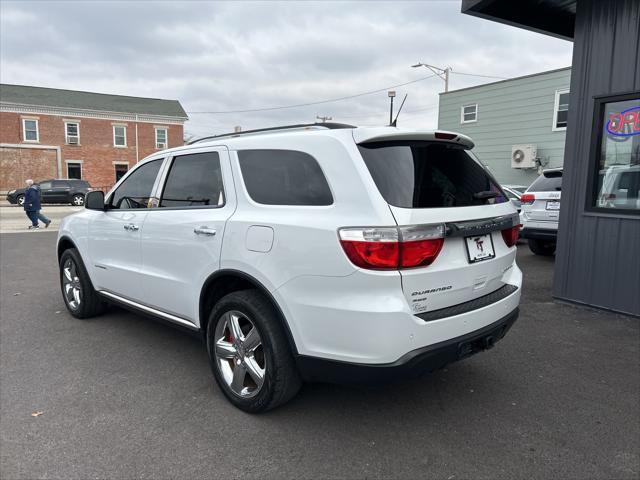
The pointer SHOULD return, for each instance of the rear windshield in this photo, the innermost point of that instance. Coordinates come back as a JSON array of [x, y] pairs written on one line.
[[547, 182], [429, 175]]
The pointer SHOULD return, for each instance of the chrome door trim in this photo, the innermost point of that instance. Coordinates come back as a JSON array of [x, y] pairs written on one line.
[[153, 311]]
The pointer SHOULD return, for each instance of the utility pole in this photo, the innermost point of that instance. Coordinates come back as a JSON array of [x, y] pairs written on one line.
[[443, 73], [392, 94], [323, 119]]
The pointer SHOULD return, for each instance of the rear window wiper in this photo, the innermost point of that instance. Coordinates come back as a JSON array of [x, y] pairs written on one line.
[[485, 195]]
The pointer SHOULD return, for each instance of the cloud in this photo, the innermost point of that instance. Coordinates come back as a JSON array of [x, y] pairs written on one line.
[[216, 56]]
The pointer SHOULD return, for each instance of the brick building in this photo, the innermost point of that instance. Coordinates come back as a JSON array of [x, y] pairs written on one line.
[[51, 133]]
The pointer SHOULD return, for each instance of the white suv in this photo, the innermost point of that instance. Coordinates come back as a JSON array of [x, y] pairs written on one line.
[[541, 212], [327, 253]]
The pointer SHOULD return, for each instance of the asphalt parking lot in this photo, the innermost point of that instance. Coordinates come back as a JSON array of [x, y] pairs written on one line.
[[122, 396]]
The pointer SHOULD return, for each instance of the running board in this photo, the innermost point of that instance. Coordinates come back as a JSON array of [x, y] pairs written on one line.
[[150, 310]]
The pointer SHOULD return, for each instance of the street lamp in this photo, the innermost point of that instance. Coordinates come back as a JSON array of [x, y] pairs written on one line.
[[443, 73], [392, 94]]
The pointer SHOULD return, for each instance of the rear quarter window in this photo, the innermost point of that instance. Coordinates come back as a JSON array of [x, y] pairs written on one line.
[[284, 177]]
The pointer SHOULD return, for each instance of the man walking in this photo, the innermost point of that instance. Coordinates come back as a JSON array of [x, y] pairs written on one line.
[[32, 206]]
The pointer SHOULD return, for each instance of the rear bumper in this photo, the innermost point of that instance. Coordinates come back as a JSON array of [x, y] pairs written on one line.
[[11, 198], [412, 364], [539, 234], [365, 318]]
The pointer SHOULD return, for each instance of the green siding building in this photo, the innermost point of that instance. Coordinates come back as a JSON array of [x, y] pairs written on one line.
[[502, 117]]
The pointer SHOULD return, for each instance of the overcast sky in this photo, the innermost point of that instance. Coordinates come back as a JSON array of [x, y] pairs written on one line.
[[224, 56]]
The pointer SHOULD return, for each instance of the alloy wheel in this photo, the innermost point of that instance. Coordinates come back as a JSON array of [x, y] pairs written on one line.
[[78, 200], [71, 284], [240, 354]]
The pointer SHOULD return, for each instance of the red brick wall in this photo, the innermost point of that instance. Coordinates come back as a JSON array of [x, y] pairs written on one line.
[[19, 164], [96, 149]]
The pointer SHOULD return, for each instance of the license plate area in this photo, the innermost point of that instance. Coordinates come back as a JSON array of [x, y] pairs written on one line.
[[553, 205], [479, 248]]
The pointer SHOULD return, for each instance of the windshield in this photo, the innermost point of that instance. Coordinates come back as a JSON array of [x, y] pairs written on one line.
[[429, 175]]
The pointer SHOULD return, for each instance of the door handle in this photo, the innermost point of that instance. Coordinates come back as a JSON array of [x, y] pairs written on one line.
[[131, 227], [204, 230]]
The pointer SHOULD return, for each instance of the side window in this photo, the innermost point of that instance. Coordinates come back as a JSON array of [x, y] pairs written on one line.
[[72, 133], [45, 185], [469, 113], [194, 180], [58, 184], [284, 177], [161, 138], [119, 136], [136, 190], [30, 130], [561, 110]]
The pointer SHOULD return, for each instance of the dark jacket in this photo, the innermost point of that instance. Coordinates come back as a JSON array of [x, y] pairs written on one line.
[[32, 199]]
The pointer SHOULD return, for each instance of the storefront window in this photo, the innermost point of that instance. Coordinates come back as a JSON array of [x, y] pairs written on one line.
[[617, 181]]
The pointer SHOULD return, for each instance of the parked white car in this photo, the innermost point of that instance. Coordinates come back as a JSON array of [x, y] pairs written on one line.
[[620, 187], [315, 253], [541, 212]]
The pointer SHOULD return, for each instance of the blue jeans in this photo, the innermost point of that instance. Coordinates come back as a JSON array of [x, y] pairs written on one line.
[[35, 215]]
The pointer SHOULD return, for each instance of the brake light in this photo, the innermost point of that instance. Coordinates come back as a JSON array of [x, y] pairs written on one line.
[[392, 248], [527, 198], [510, 235], [444, 136]]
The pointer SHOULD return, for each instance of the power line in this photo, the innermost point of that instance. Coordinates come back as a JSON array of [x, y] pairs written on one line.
[[348, 97], [476, 75], [379, 112]]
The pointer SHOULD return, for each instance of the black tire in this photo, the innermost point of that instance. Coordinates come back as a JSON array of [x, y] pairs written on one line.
[[20, 200], [77, 200], [540, 247], [90, 304], [281, 378]]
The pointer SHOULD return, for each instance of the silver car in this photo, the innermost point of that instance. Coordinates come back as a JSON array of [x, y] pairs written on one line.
[[541, 212]]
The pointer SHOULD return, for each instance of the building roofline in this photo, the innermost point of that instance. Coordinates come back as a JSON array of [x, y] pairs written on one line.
[[506, 80], [87, 91], [27, 108], [549, 17]]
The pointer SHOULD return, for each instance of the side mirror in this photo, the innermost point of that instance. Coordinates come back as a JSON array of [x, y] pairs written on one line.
[[94, 201]]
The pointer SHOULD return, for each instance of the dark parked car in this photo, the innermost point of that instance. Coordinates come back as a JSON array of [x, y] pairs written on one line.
[[55, 191]]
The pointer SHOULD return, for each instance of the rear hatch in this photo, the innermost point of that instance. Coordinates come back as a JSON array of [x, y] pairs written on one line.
[[541, 201], [431, 182]]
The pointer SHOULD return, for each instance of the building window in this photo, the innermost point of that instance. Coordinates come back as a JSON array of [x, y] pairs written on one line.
[[119, 136], [161, 138], [121, 169], [30, 130], [469, 113], [615, 169], [74, 169], [72, 133], [561, 110]]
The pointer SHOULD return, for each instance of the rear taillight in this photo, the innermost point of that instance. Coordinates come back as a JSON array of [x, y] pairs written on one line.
[[527, 198], [392, 248], [510, 235]]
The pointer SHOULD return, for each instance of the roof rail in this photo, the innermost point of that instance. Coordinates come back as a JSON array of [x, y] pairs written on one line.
[[302, 126]]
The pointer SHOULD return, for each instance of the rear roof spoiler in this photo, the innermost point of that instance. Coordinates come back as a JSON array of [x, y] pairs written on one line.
[[390, 134]]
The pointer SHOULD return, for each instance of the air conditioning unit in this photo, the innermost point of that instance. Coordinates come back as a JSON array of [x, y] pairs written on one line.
[[161, 145], [524, 156], [72, 140]]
